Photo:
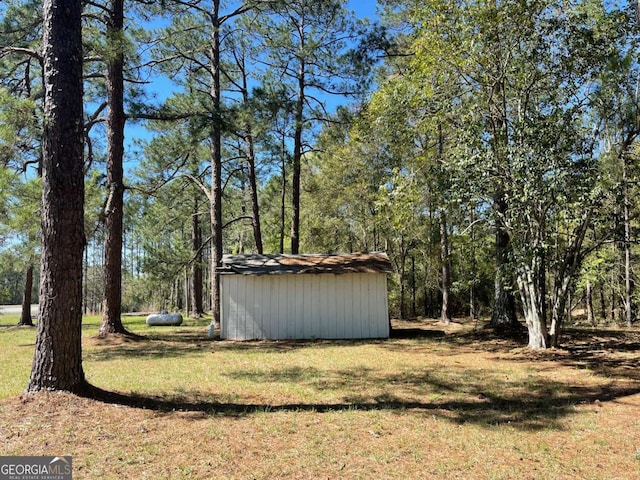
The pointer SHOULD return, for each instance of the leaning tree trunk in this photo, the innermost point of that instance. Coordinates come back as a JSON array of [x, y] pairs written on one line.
[[566, 270], [114, 209], [57, 361]]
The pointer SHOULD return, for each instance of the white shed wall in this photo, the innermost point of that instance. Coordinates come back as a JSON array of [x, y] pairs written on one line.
[[280, 307]]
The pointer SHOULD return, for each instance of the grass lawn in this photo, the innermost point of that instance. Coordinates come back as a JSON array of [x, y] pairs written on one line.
[[434, 403]]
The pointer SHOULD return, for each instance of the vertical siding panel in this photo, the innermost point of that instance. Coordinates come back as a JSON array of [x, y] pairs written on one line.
[[233, 308], [357, 306], [323, 311], [253, 310], [384, 310], [241, 310], [350, 307], [314, 313], [235, 314], [371, 323], [224, 315], [284, 333], [366, 305], [275, 300], [267, 306], [284, 310], [332, 305], [357, 288], [339, 309], [346, 300], [356, 320], [225, 328], [374, 305], [261, 314], [347, 306], [291, 307], [298, 309], [274, 304], [282, 306], [241, 307]]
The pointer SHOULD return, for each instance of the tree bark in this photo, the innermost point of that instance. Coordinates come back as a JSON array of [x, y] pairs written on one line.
[[25, 316], [445, 312], [216, 166], [197, 307], [57, 361], [564, 275], [603, 302], [626, 205], [114, 210], [252, 175], [297, 161], [530, 294], [283, 197], [503, 318], [588, 295]]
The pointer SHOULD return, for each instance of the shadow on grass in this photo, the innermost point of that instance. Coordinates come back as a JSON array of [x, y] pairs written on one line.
[[529, 412], [459, 393], [178, 343]]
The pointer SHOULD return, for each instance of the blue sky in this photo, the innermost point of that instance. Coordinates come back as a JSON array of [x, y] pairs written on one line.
[[161, 89]]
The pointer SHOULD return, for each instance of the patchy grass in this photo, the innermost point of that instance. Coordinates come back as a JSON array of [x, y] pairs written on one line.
[[434, 402]]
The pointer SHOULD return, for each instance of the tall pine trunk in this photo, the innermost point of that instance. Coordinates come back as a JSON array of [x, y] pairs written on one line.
[[57, 361], [216, 165], [297, 161], [114, 209], [252, 175]]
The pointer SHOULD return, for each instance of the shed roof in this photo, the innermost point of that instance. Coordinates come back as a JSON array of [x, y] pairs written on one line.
[[375, 262]]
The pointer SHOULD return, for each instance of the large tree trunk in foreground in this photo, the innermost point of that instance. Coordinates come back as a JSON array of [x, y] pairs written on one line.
[[57, 362], [114, 210]]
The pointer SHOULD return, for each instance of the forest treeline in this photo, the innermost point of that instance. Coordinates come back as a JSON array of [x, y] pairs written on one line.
[[488, 147]]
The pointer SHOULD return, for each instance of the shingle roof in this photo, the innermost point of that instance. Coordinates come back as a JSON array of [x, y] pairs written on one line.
[[375, 262]]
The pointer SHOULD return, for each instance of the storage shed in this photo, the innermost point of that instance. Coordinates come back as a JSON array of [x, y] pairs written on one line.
[[282, 297]]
